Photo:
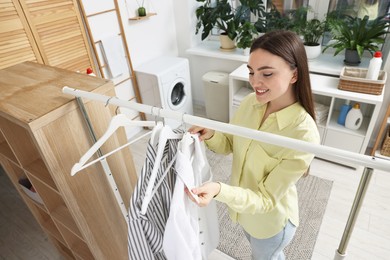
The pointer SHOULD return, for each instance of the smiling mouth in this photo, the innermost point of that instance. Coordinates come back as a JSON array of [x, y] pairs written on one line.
[[261, 91]]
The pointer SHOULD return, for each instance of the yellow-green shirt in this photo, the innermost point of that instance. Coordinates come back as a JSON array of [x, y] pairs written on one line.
[[262, 195]]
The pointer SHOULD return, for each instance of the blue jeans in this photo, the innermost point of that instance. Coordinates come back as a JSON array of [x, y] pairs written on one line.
[[272, 248]]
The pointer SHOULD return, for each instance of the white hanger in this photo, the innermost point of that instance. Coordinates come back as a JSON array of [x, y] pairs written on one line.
[[156, 132], [186, 140], [165, 134], [117, 121]]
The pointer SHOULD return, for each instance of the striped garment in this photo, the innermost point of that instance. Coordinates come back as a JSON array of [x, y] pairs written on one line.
[[145, 232]]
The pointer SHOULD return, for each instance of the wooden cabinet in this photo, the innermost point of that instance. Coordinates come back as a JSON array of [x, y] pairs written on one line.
[[48, 32], [42, 135], [325, 93]]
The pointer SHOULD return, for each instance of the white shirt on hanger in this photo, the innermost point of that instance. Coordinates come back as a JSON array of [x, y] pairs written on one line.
[[191, 232]]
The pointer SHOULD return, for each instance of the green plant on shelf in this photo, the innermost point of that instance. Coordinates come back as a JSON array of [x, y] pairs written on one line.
[[141, 9]]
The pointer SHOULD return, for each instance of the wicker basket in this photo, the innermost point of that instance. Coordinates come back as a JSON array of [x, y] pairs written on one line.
[[385, 150], [354, 79]]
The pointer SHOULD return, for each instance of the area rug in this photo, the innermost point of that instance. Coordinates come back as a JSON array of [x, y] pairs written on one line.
[[313, 195]]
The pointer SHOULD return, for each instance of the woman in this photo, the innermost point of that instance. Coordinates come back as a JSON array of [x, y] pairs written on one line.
[[262, 196]]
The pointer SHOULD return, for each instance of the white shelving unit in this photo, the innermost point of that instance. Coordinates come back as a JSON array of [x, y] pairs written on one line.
[[326, 92]]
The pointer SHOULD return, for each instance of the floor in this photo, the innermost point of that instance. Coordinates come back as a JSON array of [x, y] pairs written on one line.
[[370, 238]]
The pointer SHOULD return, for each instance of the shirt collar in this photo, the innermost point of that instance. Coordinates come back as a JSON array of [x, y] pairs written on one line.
[[285, 116]]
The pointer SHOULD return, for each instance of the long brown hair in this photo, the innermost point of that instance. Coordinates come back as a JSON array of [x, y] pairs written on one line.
[[289, 46]]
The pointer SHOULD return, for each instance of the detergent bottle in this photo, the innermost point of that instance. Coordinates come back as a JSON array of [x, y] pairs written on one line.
[[343, 112], [354, 117]]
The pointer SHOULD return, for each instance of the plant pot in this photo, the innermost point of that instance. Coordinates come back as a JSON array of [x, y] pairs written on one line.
[[312, 52], [351, 58], [141, 11], [246, 51], [226, 43]]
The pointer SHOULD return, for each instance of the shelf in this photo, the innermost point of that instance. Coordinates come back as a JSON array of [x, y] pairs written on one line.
[[76, 244], [28, 189], [359, 132], [47, 223], [14, 171], [37, 204], [137, 18], [326, 63], [20, 140], [65, 251], [51, 228], [62, 215], [39, 171], [56, 206], [6, 151]]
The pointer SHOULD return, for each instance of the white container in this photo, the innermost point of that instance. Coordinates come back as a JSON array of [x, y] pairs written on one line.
[[354, 118], [375, 66], [216, 95]]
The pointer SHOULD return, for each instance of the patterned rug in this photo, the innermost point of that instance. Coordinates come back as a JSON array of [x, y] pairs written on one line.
[[313, 195]]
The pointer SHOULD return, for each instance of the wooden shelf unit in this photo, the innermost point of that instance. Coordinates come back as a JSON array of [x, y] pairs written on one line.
[[42, 135]]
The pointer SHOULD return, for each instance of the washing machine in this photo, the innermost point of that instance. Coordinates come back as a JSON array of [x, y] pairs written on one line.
[[165, 82]]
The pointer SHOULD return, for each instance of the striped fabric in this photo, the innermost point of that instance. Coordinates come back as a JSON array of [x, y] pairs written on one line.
[[145, 234]]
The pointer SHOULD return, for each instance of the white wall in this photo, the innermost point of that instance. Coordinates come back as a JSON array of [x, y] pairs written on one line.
[[152, 37]]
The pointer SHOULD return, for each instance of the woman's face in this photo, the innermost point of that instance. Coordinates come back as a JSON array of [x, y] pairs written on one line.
[[271, 78]]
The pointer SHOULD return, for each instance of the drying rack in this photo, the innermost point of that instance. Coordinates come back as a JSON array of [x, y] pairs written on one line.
[[369, 162]]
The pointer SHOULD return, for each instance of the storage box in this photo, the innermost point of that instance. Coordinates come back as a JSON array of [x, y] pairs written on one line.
[[216, 95], [385, 150], [354, 79], [26, 186]]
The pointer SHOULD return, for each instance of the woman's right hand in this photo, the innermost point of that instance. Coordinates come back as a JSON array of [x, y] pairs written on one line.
[[204, 133]]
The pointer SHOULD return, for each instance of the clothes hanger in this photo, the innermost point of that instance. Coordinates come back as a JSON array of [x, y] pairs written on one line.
[[165, 134], [185, 143], [188, 146], [117, 121], [155, 133], [114, 151]]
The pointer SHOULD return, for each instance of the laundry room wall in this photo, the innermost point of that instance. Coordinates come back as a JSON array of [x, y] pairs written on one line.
[[152, 37], [169, 33]]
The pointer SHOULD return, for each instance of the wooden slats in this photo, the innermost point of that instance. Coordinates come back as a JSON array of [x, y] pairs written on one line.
[[16, 42], [59, 33]]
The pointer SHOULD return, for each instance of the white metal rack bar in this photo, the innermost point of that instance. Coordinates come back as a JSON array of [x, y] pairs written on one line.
[[326, 152]]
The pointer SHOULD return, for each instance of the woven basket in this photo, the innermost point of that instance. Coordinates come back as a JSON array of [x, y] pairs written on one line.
[[354, 79], [385, 150]]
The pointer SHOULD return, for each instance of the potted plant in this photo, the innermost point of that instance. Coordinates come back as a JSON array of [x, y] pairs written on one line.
[[274, 20], [312, 31], [141, 9], [246, 33], [354, 35], [222, 16]]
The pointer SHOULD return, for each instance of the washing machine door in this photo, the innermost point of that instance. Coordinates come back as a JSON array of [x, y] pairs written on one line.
[[177, 94]]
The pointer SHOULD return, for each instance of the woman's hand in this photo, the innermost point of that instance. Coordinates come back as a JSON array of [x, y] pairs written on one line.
[[205, 193], [204, 133]]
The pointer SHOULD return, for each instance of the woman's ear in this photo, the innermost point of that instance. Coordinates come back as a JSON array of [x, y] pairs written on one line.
[[294, 77]]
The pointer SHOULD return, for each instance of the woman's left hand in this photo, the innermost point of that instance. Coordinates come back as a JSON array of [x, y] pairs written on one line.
[[205, 193]]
